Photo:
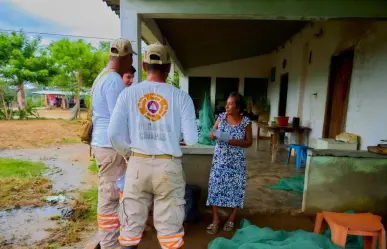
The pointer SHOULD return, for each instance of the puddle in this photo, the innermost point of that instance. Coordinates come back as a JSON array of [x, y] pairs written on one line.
[[68, 164], [26, 225]]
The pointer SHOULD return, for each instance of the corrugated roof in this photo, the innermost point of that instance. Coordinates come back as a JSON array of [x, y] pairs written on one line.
[[114, 5]]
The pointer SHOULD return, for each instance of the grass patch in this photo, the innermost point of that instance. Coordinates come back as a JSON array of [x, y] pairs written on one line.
[[21, 183], [63, 140], [16, 193], [10, 167], [91, 198], [69, 140], [83, 219], [93, 166]]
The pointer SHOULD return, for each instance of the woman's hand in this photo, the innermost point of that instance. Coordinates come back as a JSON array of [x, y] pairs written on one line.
[[212, 135], [234, 142]]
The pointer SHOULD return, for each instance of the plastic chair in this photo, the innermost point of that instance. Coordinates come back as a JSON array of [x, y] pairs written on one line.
[[363, 224], [301, 153]]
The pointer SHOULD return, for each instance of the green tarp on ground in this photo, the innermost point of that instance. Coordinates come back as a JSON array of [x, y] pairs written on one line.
[[295, 183], [252, 237]]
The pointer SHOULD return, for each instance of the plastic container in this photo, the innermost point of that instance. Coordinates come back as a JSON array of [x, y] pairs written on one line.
[[283, 121]]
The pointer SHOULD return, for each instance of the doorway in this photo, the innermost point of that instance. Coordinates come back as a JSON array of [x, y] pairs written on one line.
[[199, 87], [224, 86], [338, 94], [283, 94], [282, 101]]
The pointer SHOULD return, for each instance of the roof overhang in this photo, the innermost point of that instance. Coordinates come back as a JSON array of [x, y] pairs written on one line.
[[256, 9], [214, 31], [219, 41]]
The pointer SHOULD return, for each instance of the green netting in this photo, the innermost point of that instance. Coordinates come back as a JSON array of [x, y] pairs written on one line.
[[295, 183], [253, 237], [207, 121]]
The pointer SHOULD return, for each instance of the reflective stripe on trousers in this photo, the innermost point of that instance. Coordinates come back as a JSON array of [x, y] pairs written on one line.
[[169, 242], [111, 166]]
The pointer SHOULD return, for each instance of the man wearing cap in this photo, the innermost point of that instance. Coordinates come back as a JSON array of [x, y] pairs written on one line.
[[106, 89], [147, 124]]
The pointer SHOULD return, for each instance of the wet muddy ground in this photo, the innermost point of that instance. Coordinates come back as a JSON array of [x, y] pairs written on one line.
[[68, 165], [68, 171], [27, 225]]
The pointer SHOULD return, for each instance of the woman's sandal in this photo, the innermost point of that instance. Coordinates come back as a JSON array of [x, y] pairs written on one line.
[[212, 228], [229, 226]]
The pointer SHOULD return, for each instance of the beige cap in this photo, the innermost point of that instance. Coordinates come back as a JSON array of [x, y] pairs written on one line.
[[123, 46], [159, 50]]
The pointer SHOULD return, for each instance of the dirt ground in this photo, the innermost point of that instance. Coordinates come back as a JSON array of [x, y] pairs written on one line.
[[18, 134]]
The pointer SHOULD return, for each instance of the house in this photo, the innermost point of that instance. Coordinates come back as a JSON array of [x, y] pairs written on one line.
[[60, 98], [322, 61]]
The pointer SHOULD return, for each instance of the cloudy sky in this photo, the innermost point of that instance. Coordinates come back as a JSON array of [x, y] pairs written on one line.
[[87, 18]]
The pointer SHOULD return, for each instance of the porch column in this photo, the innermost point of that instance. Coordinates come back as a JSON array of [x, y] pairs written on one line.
[[241, 87], [184, 82], [131, 30], [213, 92]]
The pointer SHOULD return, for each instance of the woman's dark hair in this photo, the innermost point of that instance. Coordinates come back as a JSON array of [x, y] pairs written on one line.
[[239, 101]]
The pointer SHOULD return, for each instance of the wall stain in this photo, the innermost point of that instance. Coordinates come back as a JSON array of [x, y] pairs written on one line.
[[340, 184]]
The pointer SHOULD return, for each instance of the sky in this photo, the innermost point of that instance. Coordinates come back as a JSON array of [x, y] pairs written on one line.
[[90, 18]]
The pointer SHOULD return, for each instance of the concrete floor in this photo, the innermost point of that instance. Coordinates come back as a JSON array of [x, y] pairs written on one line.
[[261, 173]]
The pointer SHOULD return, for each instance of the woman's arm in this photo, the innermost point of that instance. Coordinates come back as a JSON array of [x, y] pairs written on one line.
[[212, 135], [247, 142]]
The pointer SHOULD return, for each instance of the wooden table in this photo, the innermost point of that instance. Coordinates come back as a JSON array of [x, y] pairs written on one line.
[[275, 136]]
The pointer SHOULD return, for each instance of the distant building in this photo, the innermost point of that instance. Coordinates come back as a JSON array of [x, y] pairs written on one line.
[[62, 99]]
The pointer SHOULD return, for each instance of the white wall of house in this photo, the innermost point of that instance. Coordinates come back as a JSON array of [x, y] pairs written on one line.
[[367, 99]]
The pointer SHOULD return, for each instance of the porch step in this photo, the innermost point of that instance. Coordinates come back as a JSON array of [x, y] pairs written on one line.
[[93, 243]]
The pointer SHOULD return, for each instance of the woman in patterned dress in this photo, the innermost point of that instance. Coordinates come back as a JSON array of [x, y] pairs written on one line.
[[228, 173]]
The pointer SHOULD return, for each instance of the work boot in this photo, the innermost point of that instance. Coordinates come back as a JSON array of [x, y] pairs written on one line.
[[128, 247]]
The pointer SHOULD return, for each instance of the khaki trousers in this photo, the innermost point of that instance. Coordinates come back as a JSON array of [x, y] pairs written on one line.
[[162, 182], [110, 166]]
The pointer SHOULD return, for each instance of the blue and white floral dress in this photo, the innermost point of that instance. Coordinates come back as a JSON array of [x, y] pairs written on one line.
[[228, 173]]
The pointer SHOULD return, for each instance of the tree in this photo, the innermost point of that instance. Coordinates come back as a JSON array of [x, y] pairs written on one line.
[[79, 65], [104, 46], [5, 98], [23, 60], [175, 81]]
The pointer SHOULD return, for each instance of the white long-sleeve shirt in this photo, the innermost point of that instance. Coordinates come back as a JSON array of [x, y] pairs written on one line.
[[150, 118], [105, 93]]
